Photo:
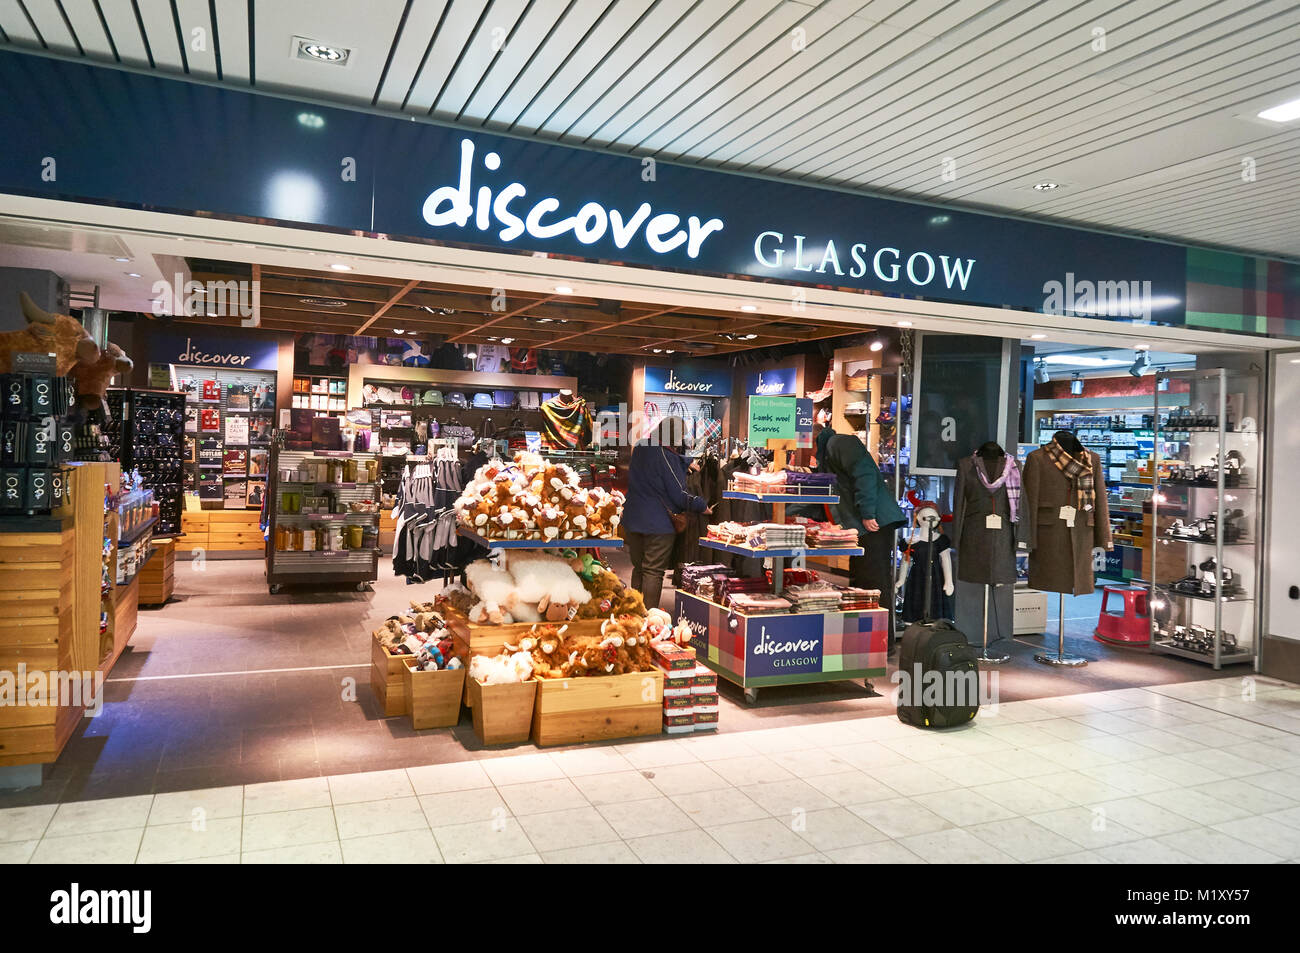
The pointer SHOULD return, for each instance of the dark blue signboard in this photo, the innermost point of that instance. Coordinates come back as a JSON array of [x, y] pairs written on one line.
[[780, 382], [75, 131], [689, 380], [204, 348]]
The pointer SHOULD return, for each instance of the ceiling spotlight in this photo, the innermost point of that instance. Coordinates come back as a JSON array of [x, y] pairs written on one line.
[[669, 351], [563, 290], [657, 350], [1162, 381], [132, 274], [1038, 337], [1045, 186], [1076, 384], [1287, 112], [749, 307], [1141, 365], [413, 333], [471, 354], [877, 345], [507, 340], [904, 324], [121, 259], [399, 330], [1144, 347], [749, 337], [338, 266], [1040, 372], [940, 219], [322, 52], [311, 120]]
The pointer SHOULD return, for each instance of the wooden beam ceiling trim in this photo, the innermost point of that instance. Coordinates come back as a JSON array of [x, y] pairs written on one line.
[[388, 304], [507, 316]]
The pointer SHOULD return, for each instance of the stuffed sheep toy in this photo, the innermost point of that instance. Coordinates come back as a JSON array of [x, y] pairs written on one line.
[[546, 584], [495, 589]]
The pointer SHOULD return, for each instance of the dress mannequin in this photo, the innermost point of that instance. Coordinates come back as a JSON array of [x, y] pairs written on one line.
[[1063, 537], [925, 542]]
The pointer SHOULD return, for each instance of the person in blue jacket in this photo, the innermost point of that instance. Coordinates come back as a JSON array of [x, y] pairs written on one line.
[[866, 504], [656, 487]]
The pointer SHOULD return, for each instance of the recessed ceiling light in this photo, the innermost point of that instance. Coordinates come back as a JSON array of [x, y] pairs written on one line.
[[670, 351], [339, 266], [1287, 112], [657, 350], [749, 307], [311, 120], [507, 340], [132, 274], [314, 49], [399, 330], [563, 289], [940, 219], [877, 345], [1045, 186], [1295, 360], [324, 302], [904, 324], [749, 337], [1038, 337], [121, 259]]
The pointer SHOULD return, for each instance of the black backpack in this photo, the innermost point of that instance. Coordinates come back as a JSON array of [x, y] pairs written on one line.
[[941, 684]]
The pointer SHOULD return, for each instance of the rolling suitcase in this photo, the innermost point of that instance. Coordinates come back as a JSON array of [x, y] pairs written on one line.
[[940, 687]]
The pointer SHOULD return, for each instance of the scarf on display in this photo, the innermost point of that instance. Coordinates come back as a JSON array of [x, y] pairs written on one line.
[[1010, 478], [566, 423], [1078, 470]]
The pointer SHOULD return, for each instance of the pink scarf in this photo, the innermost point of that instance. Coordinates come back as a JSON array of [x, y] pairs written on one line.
[[1009, 478]]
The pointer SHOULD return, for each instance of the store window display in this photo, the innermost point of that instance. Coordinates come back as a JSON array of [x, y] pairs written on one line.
[[1067, 519], [566, 422]]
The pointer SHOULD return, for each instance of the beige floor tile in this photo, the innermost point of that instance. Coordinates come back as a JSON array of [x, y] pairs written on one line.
[[1198, 806], [953, 847], [818, 858], [810, 762], [451, 808], [369, 818], [1129, 778], [322, 853], [913, 779], [104, 847], [851, 787], [613, 852], [880, 853], [311, 825], [969, 771], [680, 848], [165, 843], [643, 818], [963, 807], [482, 840], [1149, 851], [754, 769], [441, 778], [541, 797], [1147, 816], [17, 851], [1020, 796], [656, 753], [286, 795], [1021, 763], [1214, 847], [1082, 857], [369, 786], [1087, 828], [522, 860], [93, 817], [868, 755], [582, 762], [577, 827], [687, 778], [714, 808], [185, 807], [781, 798], [402, 847], [753, 842], [522, 769], [834, 828], [25, 823], [1266, 834], [714, 747], [901, 817], [1022, 839], [615, 787]]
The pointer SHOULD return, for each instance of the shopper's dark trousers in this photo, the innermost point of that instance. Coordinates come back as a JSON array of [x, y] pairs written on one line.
[[651, 555], [873, 569]]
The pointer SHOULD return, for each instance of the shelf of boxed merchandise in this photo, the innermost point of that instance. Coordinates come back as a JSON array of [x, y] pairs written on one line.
[[781, 553], [787, 648]]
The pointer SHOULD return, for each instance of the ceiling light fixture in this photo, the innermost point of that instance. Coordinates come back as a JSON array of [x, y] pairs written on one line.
[[1040, 372], [669, 351], [324, 302], [877, 345], [1144, 347], [1045, 186], [563, 290], [1162, 381], [1076, 384], [1141, 365], [749, 337], [749, 307], [315, 50], [471, 354], [339, 266], [507, 340], [904, 324], [399, 330], [311, 120], [1287, 112], [1038, 337], [132, 274], [121, 259]]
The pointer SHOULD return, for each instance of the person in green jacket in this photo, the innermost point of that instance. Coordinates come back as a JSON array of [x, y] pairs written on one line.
[[866, 504]]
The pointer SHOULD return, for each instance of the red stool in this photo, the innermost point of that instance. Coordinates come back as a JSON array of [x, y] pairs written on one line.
[[1132, 626]]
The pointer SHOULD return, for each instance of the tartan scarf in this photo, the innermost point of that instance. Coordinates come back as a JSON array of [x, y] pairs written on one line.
[[1010, 478], [1078, 470]]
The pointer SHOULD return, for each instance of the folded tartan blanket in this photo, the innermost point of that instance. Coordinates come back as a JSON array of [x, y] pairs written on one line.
[[757, 604], [775, 536], [817, 597], [796, 577], [764, 482]]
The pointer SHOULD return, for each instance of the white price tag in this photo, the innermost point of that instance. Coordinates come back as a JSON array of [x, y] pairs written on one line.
[[993, 521], [1067, 514]]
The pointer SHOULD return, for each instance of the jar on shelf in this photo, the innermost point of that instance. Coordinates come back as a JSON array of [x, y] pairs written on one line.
[[356, 536], [349, 471]]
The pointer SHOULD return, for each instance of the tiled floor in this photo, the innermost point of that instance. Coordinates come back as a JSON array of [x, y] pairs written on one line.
[[1194, 772]]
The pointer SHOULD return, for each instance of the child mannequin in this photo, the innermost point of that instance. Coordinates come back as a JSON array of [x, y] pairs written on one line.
[[924, 544]]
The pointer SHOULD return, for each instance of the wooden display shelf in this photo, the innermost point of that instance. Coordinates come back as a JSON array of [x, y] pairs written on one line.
[[503, 714], [158, 576], [221, 531], [386, 680], [598, 708]]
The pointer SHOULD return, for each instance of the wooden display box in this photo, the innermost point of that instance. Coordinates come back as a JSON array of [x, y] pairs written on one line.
[[597, 708], [433, 698], [158, 576], [484, 639], [386, 680], [503, 714]]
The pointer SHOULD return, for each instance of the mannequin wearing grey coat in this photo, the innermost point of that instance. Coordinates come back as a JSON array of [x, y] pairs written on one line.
[[1060, 557], [984, 556]]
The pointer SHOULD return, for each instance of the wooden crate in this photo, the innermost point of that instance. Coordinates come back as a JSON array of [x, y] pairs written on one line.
[[433, 698], [477, 639], [599, 707], [503, 714], [386, 680]]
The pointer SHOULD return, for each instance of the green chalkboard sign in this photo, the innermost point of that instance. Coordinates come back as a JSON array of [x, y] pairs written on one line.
[[772, 418]]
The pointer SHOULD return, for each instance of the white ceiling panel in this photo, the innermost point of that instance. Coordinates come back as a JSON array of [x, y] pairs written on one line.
[[1145, 136]]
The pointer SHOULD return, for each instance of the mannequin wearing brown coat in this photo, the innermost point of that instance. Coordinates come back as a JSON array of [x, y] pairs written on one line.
[[1060, 556]]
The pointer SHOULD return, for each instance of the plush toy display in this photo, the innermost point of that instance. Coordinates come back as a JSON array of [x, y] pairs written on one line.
[[534, 499], [495, 589], [538, 587], [507, 668]]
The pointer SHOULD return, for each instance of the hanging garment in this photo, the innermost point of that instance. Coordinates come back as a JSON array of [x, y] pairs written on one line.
[[523, 360], [492, 359], [1060, 555], [985, 554], [566, 423]]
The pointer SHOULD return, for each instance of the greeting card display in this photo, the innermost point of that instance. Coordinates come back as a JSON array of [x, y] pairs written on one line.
[[236, 429], [234, 462]]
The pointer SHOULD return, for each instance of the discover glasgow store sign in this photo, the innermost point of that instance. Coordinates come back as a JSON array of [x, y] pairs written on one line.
[[89, 133]]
